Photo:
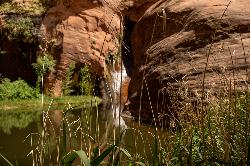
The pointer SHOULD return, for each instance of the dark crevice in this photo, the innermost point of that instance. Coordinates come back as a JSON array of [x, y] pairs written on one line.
[[127, 53]]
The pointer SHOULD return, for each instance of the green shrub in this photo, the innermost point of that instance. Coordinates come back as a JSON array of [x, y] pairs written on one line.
[[18, 89], [34, 7], [45, 63], [68, 82], [85, 83], [19, 28]]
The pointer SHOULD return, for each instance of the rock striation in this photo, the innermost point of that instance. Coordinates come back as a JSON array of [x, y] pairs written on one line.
[[201, 47], [84, 32]]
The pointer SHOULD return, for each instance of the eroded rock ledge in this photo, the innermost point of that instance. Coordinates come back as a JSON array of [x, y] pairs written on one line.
[[169, 45], [171, 42], [85, 33]]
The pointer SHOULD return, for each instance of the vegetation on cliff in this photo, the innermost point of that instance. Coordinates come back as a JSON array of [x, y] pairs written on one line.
[[28, 7], [19, 28]]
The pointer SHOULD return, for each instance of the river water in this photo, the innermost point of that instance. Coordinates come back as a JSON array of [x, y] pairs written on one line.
[[21, 132]]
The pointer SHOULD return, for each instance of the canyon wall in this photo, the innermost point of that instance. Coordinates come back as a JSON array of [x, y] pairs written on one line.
[[84, 32], [198, 47]]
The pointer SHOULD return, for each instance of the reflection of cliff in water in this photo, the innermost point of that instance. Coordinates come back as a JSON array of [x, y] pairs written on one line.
[[109, 112], [117, 90]]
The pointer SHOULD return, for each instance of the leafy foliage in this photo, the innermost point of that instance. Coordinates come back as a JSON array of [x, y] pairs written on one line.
[[68, 82], [44, 64], [19, 28], [18, 89], [85, 83], [71, 157], [34, 7]]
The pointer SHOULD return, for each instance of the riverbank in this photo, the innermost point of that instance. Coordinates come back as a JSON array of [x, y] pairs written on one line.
[[59, 102]]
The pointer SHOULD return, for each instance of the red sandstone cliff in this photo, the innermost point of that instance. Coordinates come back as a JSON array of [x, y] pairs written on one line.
[[175, 41], [85, 32], [169, 43]]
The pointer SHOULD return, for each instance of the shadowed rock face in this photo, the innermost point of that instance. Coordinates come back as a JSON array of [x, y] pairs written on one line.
[[172, 43], [85, 32]]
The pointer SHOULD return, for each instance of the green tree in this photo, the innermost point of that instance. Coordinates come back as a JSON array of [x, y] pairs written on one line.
[[18, 89], [68, 82], [44, 64], [86, 86]]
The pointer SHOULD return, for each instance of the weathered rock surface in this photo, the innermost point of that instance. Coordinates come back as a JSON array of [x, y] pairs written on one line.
[[85, 32], [175, 42]]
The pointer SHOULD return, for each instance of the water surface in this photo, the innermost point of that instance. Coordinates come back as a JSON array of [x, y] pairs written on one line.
[[20, 131]]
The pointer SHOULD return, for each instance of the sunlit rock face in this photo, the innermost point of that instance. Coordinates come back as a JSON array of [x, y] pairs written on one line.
[[84, 32], [173, 41], [168, 43]]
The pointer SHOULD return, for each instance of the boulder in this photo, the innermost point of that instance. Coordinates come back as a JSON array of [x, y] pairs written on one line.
[[196, 47]]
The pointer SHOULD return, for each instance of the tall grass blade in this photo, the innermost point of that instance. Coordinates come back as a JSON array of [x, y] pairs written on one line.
[[155, 157], [131, 158], [7, 161], [126, 153], [100, 158], [83, 157], [71, 157], [64, 139]]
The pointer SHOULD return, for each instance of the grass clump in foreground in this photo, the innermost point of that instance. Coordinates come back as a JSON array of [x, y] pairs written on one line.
[[218, 134], [221, 137]]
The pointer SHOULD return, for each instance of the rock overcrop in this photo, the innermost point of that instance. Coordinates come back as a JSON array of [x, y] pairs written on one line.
[[85, 33], [200, 46]]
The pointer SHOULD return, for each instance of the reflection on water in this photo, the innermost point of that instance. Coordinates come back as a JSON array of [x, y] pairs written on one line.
[[110, 113], [17, 119], [15, 126], [85, 128]]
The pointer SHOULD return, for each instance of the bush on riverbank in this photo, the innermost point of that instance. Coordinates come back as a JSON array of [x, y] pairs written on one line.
[[18, 89]]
